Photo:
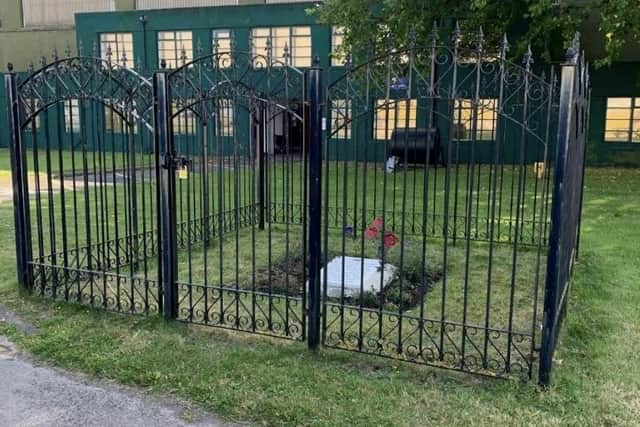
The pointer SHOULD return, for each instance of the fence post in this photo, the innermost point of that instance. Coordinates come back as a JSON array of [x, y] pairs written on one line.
[[165, 167], [315, 202], [552, 310], [19, 182]]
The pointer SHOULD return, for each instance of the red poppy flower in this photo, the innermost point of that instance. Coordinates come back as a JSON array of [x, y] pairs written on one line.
[[378, 223], [390, 240], [371, 233]]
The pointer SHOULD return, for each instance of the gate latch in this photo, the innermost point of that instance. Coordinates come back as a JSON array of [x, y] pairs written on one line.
[[180, 163]]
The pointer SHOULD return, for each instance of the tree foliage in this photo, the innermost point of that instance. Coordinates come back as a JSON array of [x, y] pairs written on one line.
[[547, 25], [620, 25]]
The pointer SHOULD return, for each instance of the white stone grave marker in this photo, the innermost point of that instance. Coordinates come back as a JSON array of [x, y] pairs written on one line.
[[356, 270]]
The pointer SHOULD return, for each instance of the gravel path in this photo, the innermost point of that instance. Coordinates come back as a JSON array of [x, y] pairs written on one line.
[[33, 395]]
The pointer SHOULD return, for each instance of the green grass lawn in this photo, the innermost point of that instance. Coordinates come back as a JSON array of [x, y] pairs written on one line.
[[69, 158], [249, 378], [218, 282]]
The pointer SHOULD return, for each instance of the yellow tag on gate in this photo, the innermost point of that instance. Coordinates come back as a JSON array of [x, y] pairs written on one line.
[[183, 172]]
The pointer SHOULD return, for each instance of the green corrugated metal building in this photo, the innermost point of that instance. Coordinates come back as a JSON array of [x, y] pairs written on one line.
[[144, 33]]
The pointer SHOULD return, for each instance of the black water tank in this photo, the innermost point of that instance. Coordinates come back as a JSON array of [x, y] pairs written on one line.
[[411, 145]]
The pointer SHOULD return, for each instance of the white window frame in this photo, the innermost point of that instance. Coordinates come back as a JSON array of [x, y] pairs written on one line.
[[119, 123], [35, 119], [121, 43], [226, 117], [391, 115], [631, 121], [294, 39], [487, 119], [185, 122], [224, 39], [72, 114], [181, 39], [341, 118], [337, 40]]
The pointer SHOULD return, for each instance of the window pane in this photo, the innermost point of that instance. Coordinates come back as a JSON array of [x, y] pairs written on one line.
[[120, 46], [260, 37], [302, 31], [184, 122], [171, 45], [617, 125], [31, 106], [616, 136], [112, 120], [261, 32], [302, 62], [397, 114], [619, 102], [618, 114], [485, 123], [296, 39], [278, 43], [225, 117], [340, 119], [635, 129], [301, 46], [260, 46], [281, 32], [621, 120], [337, 39], [71, 115], [222, 45]]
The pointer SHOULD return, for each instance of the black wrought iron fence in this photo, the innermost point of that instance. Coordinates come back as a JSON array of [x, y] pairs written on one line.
[[404, 206]]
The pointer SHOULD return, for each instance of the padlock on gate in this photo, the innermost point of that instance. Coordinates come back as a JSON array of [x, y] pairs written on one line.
[[183, 172]]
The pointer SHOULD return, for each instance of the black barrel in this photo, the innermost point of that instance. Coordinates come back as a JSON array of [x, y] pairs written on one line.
[[410, 145]]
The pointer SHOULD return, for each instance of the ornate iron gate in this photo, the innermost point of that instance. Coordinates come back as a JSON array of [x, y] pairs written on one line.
[[425, 209], [84, 183], [424, 205], [233, 134]]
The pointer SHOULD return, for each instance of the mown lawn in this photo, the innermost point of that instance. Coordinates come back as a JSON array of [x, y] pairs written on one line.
[[246, 378]]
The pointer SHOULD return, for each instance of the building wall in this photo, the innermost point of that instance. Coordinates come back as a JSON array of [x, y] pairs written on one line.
[[201, 21], [22, 45], [622, 79]]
